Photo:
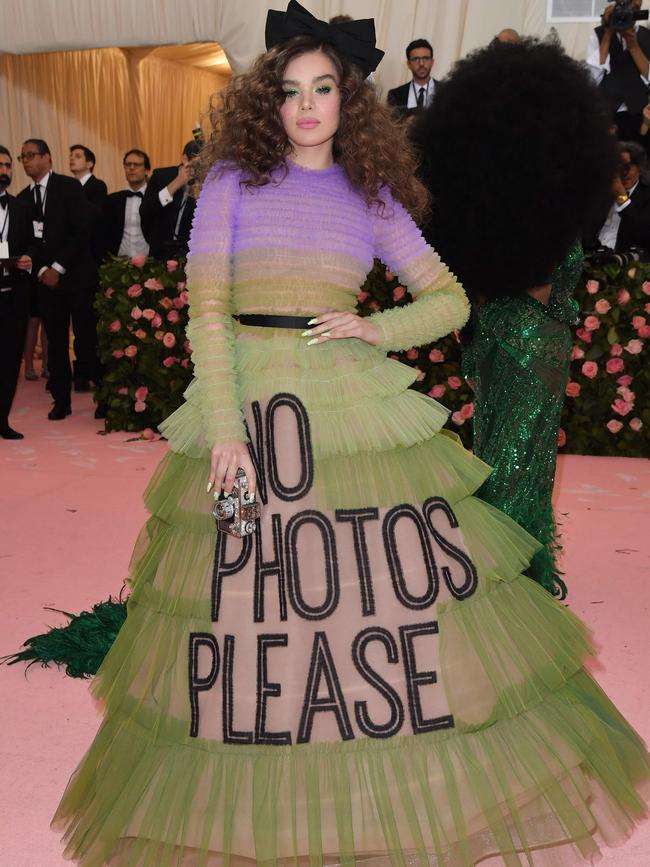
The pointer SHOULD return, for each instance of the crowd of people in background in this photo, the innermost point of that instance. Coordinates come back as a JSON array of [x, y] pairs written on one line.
[[55, 234]]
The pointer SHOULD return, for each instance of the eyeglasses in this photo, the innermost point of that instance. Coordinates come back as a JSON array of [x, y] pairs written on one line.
[[28, 155], [420, 59], [132, 165]]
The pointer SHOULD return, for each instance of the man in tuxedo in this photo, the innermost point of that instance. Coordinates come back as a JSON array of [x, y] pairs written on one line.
[[122, 226], [63, 265], [409, 99], [627, 225], [16, 240], [168, 208], [82, 167]]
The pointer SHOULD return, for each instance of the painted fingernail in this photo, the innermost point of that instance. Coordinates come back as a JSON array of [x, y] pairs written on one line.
[[210, 486], [311, 342], [306, 334], [313, 321], [326, 334]]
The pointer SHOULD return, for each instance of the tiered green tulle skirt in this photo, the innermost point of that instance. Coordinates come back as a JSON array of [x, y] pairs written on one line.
[[533, 763]]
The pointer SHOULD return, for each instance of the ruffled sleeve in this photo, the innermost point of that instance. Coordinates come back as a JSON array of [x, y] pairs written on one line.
[[210, 329], [440, 303]]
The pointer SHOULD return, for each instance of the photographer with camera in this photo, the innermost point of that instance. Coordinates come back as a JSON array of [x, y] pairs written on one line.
[[618, 55], [627, 226]]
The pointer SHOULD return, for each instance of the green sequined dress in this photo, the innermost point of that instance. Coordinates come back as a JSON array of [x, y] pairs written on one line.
[[519, 360]]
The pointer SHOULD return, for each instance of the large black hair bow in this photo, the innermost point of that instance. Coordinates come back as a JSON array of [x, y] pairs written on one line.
[[354, 39]]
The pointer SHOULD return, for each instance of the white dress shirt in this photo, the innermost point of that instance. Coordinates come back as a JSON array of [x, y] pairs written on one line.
[[414, 91], [4, 235], [598, 69], [43, 185], [133, 241], [608, 235], [83, 181]]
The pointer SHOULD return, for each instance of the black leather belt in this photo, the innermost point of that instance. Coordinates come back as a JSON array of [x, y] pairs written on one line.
[[262, 320]]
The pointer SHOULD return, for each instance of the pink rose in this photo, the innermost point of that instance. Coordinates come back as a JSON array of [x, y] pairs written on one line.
[[109, 292], [173, 316], [141, 392], [361, 297], [621, 407], [131, 351], [159, 335], [122, 390], [134, 291], [457, 418], [139, 406], [374, 306], [590, 369], [179, 301], [169, 340], [636, 424], [156, 322], [646, 287], [561, 438], [592, 286], [454, 382], [646, 307], [187, 347], [584, 335], [573, 389], [638, 321], [467, 410], [170, 361], [603, 306], [626, 394], [136, 313], [577, 353], [436, 356], [614, 365], [148, 313], [623, 296], [614, 426], [592, 323], [115, 325], [140, 334], [148, 434], [437, 391], [420, 374], [412, 354], [398, 292], [185, 363], [389, 276], [644, 331], [138, 261], [625, 380], [616, 349], [153, 283], [184, 296], [172, 265], [166, 302], [181, 285], [118, 353], [634, 347]]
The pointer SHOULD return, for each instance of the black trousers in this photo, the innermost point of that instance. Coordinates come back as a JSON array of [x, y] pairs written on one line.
[[59, 307], [85, 366], [13, 325]]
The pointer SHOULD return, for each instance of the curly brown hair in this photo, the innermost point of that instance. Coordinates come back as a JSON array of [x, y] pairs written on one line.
[[370, 144]]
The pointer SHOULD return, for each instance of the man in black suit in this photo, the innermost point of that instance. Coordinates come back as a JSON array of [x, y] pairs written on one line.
[[16, 240], [409, 99], [63, 266], [82, 167], [168, 208], [627, 225], [123, 234]]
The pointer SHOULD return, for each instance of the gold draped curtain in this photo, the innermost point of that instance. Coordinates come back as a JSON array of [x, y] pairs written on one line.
[[108, 99]]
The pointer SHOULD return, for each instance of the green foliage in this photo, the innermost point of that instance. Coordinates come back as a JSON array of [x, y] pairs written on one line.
[[142, 308]]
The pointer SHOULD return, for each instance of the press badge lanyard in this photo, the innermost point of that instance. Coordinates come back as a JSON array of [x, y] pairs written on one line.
[[38, 224], [4, 225], [4, 245]]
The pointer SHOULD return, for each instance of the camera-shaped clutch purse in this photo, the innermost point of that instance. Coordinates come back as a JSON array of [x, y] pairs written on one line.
[[236, 513]]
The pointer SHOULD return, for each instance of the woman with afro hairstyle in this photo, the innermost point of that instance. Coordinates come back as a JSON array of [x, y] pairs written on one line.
[[363, 675], [519, 160]]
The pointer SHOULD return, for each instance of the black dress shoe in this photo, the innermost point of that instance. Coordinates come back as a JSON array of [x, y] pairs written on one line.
[[59, 411], [101, 410], [82, 386], [8, 433]]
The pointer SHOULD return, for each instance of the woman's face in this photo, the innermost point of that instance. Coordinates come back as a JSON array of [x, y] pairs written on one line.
[[312, 105]]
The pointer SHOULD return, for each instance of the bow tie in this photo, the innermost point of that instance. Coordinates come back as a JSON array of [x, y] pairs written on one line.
[[354, 39], [3, 201], [130, 194]]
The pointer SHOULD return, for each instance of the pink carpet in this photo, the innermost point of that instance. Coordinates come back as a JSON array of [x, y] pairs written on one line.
[[70, 506]]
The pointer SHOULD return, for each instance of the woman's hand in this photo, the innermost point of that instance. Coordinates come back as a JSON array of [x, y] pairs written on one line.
[[336, 326], [226, 459]]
